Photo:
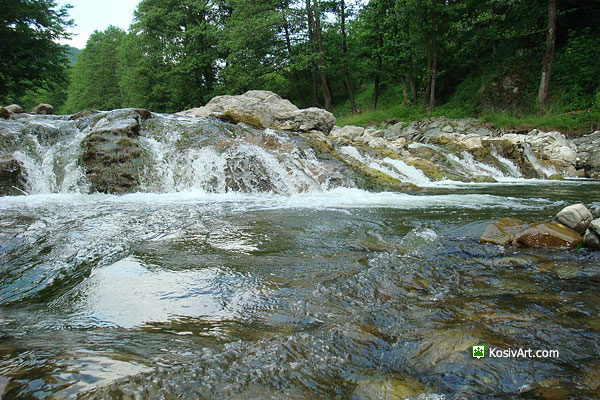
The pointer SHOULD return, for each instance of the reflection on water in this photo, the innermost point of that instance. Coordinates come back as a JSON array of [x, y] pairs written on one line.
[[342, 294]]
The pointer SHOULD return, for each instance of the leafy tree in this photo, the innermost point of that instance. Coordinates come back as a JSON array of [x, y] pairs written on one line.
[[94, 78], [31, 58], [171, 56]]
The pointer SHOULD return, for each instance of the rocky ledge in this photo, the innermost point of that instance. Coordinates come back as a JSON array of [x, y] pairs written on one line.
[[565, 232]]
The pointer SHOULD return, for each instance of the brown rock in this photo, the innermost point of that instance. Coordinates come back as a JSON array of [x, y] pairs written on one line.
[[14, 108], [4, 113], [83, 114], [502, 231], [554, 236], [43, 109]]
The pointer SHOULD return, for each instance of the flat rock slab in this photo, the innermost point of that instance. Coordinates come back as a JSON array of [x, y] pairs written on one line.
[[546, 235], [503, 231]]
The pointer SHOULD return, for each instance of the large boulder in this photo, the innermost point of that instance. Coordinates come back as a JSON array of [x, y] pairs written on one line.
[[43, 109], [262, 109], [576, 217], [502, 231], [4, 113], [554, 236], [112, 153], [14, 108], [12, 181]]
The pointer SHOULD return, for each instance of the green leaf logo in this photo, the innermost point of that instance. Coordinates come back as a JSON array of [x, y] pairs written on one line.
[[478, 351]]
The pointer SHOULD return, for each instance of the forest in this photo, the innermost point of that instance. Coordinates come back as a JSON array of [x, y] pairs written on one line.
[[501, 60]]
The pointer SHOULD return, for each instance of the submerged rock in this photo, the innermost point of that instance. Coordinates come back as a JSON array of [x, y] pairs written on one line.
[[263, 109], [391, 389], [43, 109], [576, 217], [543, 234], [502, 231]]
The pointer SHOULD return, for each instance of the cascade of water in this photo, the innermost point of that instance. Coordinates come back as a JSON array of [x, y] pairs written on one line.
[[511, 167], [471, 167], [537, 165], [393, 167], [238, 166], [52, 168]]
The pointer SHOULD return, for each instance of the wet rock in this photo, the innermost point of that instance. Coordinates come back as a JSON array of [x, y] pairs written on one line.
[[263, 109], [502, 231], [4, 113], [111, 153], [391, 389], [83, 114], [12, 181], [348, 132], [588, 156], [542, 234], [591, 239], [576, 217], [14, 108], [43, 109]]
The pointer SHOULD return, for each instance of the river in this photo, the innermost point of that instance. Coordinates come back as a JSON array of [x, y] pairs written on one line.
[[333, 294]]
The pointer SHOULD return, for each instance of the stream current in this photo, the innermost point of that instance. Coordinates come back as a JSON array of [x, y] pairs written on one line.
[[338, 294], [189, 289]]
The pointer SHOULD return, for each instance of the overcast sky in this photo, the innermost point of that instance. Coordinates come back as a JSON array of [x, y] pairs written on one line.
[[91, 15]]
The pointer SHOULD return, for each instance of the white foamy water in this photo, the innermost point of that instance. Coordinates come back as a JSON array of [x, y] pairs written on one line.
[[336, 198]]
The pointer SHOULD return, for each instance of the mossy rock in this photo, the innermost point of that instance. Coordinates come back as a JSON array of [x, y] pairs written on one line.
[[4, 113], [83, 114], [484, 179], [556, 177], [376, 180], [235, 117]]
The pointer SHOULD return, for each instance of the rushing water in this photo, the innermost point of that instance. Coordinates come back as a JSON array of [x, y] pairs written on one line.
[[246, 267], [336, 294]]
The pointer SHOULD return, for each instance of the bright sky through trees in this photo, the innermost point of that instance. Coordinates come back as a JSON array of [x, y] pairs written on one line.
[[91, 15]]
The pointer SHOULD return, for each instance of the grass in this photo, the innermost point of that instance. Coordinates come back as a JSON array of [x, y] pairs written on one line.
[[390, 106]]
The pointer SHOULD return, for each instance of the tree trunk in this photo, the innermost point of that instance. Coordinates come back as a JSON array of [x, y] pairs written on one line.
[[404, 89], [411, 78], [311, 41], [288, 44], [428, 84], [378, 75], [433, 71], [345, 55], [321, 61], [549, 57]]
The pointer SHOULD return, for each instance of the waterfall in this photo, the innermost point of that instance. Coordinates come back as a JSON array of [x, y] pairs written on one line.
[[52, 167], [509, 166], [545, 171]]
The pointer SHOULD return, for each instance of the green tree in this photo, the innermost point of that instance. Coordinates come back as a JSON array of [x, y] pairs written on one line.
[[31, 58], [94, 78], [171, 56]]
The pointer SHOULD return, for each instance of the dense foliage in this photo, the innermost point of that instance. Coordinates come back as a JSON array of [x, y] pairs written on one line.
[[30, 57], [475, 56]]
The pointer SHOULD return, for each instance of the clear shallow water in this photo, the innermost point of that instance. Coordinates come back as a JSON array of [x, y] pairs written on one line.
[[339, 294]]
